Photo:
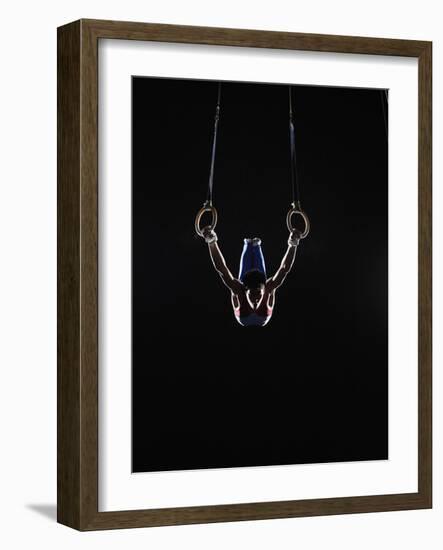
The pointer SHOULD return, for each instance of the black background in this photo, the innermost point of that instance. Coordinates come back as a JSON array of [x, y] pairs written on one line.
[[312, 385]]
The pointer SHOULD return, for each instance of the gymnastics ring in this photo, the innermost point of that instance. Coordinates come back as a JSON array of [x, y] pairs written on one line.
[[297, 210], [206, 208]]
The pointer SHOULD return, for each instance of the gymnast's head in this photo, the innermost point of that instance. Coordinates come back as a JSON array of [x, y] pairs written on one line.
[[254, 282]]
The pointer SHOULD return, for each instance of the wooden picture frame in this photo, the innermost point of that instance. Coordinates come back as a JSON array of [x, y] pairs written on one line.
[[77, 457]]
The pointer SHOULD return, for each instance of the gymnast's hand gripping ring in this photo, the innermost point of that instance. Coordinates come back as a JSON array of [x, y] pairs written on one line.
[[207, 207], [296, 210]]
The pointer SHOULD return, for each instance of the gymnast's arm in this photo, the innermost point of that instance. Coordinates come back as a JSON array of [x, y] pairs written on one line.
[[219, 262], [286, 264]]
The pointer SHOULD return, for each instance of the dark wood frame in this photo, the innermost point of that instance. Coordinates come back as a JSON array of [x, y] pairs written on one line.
[[77, 456]]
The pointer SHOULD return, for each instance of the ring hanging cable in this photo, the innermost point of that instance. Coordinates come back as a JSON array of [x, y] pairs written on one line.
[[296, 209], [208, 206], [294, 179], [214, 146]]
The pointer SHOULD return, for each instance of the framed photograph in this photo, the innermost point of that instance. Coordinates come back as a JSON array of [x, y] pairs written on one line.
[[244, 275]]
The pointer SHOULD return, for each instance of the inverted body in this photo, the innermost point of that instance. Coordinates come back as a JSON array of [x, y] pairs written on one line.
[[252, 293]]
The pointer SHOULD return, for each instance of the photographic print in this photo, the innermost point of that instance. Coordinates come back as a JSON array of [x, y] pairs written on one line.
[[244, 288], [259, 274]]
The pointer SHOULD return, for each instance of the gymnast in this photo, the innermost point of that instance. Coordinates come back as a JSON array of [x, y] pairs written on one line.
[[252, 294]]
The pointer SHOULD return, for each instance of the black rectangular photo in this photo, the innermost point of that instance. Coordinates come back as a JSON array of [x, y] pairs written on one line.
[[260, 328]]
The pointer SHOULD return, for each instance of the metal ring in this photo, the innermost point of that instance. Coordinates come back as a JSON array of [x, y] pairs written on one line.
[[295, 210], [205, 208]]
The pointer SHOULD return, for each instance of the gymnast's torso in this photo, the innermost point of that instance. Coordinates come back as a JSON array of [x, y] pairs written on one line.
[[249, 314]]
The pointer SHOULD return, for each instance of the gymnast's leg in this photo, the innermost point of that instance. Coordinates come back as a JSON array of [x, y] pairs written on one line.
[[258, 258], [252, 258], [247, 259]]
